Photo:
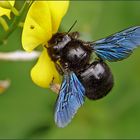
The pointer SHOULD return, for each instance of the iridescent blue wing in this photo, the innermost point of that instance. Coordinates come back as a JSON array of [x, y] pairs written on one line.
[[118, 46], [71, 97]]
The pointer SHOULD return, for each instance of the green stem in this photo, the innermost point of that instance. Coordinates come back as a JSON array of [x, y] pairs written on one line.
[[15, 11], [15, 23], [4, 24]]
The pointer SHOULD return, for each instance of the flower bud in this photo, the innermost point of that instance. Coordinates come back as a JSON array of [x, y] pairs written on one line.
[[5, 4]]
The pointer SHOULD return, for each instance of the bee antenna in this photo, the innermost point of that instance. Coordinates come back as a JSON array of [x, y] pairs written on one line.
[[72, 26]]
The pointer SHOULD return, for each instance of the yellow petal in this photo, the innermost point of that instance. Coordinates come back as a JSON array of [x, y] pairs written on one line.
[[58, 10], [44, 71], [5, 11], [37, 28]]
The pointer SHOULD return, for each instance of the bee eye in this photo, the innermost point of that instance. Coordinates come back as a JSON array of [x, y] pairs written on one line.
[[55, 42], [58, 40]]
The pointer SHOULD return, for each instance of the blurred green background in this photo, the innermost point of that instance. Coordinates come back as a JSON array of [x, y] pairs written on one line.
[[26, 111]]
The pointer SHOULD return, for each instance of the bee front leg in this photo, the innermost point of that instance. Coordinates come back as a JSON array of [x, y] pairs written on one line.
[[59, 69]]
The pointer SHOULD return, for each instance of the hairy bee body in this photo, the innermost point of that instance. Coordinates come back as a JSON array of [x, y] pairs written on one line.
[[74, 55], [83, 76]]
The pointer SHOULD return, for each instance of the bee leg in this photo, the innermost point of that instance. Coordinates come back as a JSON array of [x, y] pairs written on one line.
[[59, 69], [54, 87]]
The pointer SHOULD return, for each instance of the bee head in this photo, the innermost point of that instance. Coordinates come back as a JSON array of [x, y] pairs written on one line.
[[56, 44], [56, 39]]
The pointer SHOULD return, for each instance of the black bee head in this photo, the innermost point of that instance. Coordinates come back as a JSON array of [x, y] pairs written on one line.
[[56, 44], [56, 39]]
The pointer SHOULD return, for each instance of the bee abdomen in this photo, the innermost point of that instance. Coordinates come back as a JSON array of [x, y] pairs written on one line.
[[97, 80]]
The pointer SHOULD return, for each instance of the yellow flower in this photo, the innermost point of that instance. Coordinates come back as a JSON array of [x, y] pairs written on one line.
[[42, 21], [5, 7]]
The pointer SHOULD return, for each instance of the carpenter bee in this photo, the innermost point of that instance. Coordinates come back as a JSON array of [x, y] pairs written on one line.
[[81, 76]]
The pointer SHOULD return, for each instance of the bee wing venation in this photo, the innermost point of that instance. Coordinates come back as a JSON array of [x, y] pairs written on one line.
[[70, 98], [118, 46]]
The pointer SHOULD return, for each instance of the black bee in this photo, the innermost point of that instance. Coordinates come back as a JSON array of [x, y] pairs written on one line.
[[83, 76]]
